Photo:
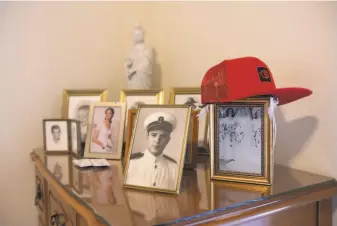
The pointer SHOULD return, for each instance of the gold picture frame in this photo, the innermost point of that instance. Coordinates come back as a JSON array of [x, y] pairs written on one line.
[[248, 132], [158, 93], [132, 113], [203, 125], [67, 93], [192, 146], [184, 126], [89, 144], [236, 192]]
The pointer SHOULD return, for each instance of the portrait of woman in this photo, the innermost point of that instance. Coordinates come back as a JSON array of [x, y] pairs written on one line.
[[105, 131], [101, 137]]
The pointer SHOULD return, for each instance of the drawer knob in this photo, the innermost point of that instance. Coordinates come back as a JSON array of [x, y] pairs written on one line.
[[57, 219]]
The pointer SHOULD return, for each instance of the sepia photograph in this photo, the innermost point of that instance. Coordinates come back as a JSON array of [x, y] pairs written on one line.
[[242, 140], [192, 96], [55, 134], [59, 167], [158, 147], [76, 105], [105, 130]]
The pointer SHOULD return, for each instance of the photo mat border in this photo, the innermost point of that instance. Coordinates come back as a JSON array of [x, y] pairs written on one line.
[[182, 155], [88, 142], [266, 158]]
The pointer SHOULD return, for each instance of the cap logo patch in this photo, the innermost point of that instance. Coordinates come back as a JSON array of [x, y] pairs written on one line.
[[161, 119], [264, 74]]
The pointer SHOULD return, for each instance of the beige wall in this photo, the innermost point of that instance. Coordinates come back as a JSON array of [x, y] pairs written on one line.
[[45, 47]]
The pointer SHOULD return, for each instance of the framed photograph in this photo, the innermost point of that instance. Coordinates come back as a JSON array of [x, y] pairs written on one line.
[[192, 143], [105, 130], [129, 129], [241, 141], [76, 105], [230, 193], [192, 96], [59, 167], [158, 147], [75, 137], [56, 136]]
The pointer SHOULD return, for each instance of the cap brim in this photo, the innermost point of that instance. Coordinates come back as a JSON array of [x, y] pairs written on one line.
[[288, 95]]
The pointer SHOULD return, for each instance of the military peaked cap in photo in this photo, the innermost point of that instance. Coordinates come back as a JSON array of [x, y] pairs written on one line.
[[160, 121]]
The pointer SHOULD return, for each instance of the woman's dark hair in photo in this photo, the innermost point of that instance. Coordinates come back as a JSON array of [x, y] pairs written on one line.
[[112, 112]]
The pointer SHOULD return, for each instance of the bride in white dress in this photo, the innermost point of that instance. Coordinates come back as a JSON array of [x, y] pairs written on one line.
[[101, 139]]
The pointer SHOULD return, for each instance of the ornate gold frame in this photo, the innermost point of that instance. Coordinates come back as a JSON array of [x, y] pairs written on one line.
[[191, 90], [264, 190], [266, 158], [118, 156], [103, 93], [159, 93], [182, 155]]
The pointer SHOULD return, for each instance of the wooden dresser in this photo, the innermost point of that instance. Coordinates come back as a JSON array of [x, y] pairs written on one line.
[[96, 197]]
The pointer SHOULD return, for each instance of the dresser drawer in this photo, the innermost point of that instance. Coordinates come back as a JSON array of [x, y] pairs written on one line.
[[59, 211], [40, 191]]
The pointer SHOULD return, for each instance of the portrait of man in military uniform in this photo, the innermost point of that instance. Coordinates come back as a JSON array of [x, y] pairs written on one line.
[[158, 163]]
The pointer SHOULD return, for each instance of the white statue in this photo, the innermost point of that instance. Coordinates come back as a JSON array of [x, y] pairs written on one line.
[[138, 66]]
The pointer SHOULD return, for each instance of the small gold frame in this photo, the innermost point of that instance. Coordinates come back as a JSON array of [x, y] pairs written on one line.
[[263, 190], [192, 91], [87, 152], [182, 154], [267, 164], [67, 93], [68, 135]]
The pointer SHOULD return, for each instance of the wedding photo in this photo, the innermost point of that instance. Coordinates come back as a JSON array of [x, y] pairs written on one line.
[[158, 147], [106, 127], [241, 142], [56, 135]]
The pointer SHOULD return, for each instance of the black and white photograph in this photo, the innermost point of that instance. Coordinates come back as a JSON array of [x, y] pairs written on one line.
[[241, 142], [59, 166], [192, 96], [158, 148], [105, 131], [55, 134], [76, 105]]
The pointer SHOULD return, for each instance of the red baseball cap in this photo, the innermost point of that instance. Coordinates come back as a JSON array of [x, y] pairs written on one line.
[[244, 77]]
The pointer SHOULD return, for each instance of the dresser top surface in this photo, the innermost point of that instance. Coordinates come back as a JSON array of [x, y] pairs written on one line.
[[101, 189]]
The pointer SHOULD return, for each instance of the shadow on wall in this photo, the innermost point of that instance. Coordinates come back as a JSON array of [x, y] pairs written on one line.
[[156, 75], [292, 136]]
